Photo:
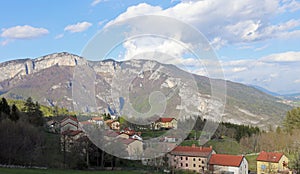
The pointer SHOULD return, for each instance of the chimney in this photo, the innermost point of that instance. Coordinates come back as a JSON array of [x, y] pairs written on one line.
[[210, 147], [193, 145]]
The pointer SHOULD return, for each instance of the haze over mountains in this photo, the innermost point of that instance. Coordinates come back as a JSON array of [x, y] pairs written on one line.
[[49, 79]]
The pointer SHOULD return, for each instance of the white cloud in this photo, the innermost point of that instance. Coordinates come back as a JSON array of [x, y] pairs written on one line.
[[225, 21], [290, 56], [23, 32], [270, 72], [79, 27], [228, 22], [217, 43], [239, 69], [59, 36], [95, 2], [102, 22]]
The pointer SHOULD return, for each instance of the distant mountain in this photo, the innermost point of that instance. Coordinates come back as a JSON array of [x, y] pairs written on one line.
[[266, 91], [50, 80], [293, 96]]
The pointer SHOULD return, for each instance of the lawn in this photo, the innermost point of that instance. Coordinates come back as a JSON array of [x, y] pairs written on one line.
[[225, 146], [251, 162], [56, 171]]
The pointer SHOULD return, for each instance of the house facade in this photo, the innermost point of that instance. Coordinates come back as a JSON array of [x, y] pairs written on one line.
[[69, 123], [190, 158], [166, 123], [272, 162], [228, 164]]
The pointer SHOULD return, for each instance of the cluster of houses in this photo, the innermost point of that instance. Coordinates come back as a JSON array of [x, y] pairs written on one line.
[[205, 160], [72, 131], [192, 158]]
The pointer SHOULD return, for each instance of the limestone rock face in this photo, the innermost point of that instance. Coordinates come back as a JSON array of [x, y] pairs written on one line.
[[50, 80], [18, 68]]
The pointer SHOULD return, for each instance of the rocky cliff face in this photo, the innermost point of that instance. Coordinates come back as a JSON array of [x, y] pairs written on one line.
[[50, 80], [19, 68]]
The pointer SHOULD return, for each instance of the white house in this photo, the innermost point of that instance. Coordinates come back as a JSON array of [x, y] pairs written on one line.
[[69, 123], [228, 164]]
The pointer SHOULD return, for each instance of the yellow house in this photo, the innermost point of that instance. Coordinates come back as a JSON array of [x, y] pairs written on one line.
[[166, 123], [272, 162]]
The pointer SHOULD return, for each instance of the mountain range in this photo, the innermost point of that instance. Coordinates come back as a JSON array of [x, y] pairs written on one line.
[[50, 80]]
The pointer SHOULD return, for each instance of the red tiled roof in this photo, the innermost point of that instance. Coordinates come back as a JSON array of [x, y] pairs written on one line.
[[97, 118], [85, 122], [226, 160], [165, 120], [63, 125], [192, 151], [70, 117], [269, 156]]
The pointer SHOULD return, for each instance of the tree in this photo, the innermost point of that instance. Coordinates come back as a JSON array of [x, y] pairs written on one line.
[[21, 143], [296, 163], [292, 120], [14, 116], [34, 114], [29, 106], [4, 106]]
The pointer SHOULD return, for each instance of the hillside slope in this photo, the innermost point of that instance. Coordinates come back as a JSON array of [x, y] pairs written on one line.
[[50, 80]]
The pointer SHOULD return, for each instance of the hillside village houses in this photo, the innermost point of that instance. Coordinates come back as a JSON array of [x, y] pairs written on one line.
[[71, 132], [192, 158], [272, 162], [229, 164], [165, 123]]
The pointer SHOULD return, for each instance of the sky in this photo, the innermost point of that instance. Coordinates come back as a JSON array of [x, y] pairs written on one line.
[[257, 42]]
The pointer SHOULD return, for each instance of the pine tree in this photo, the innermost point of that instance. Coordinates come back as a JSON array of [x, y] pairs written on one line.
[[14, 116], [4, 107], [35, 115]]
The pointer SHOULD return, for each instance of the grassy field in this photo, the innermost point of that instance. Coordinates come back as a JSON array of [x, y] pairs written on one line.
[[225, 146], [251, 162], [55, 171]]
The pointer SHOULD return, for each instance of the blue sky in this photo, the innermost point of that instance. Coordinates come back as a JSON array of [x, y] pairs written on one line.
[[257, 41]]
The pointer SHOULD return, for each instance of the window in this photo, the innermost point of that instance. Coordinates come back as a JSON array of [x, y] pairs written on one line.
[[181, 164], [199, 159], [194, 159], [186, 164], [202, 162], [181, 158], [194, 165], [186, 158]]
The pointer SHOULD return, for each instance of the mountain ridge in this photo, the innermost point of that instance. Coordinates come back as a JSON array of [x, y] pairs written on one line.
[[49, 80]]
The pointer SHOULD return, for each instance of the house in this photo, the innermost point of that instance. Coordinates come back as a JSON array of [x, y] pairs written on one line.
[[272, 162], [53, 126], [68, 138], [133, 147], [113, 124], [136, 137], [69, 123], [190, 158], [166, 123], [97, 120], [130, 132], [228, 164], [169, 139]]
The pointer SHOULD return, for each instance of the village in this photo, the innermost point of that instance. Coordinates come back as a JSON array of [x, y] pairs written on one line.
[[197, 159]]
